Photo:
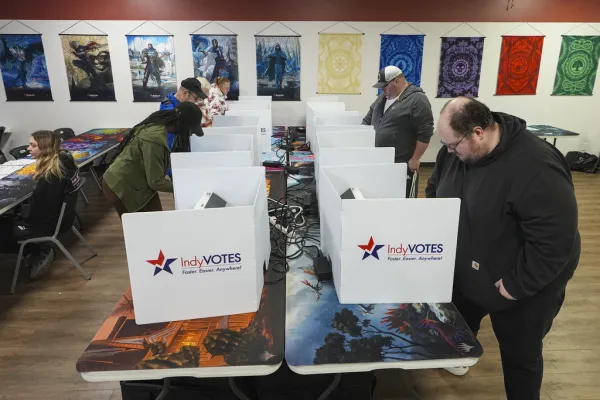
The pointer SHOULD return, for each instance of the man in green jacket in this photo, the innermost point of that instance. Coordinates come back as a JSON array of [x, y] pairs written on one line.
[[138, 172]]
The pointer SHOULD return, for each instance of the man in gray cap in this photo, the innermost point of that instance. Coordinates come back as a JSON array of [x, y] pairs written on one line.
[[402, 118]]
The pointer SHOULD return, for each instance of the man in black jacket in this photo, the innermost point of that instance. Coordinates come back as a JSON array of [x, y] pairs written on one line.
[[518, 243]]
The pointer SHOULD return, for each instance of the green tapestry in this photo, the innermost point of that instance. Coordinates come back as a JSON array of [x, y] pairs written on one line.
[[577, 66]]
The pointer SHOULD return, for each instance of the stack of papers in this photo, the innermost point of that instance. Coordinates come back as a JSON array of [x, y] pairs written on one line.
[[13, 166]]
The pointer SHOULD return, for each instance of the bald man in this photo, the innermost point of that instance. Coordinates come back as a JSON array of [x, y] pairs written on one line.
[[518, 243]]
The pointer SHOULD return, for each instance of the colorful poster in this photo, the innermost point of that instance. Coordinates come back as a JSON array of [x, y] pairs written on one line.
[[460, 66], [216, 55], [24, 70], [577, 66], [519, 68], [278, 67], [404, 52], [152, 64], [89, 71], [340, 63]]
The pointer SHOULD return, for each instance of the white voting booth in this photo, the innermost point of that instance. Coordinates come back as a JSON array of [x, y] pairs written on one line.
[[199, 263], [343, 139], [265, 120], [329, 157], [213, 151], [252, 131], [385, 248], [314, 108]]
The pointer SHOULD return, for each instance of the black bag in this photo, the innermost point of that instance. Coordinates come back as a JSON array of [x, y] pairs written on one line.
[[581, 161]]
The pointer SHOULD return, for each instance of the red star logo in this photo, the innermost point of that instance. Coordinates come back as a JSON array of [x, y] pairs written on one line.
[[160, 264], [370, 248]]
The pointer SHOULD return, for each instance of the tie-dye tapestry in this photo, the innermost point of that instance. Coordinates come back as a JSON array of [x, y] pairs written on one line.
[[404, 52], [460, 66], [577, 66]]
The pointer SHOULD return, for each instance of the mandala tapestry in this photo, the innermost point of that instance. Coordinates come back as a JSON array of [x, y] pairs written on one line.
[[519, 65], [460, 66], [577, 66], [340, 63], [405, 52]]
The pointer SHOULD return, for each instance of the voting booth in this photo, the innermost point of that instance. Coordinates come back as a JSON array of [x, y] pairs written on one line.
[[343, 139], [265, 121], [314, 108], [217, 151], [385, 248], [329, 157], [200, 263], [252, 131]]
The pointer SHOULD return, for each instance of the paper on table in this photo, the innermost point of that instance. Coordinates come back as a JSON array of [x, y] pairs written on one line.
[[23, 162], [6, 170]]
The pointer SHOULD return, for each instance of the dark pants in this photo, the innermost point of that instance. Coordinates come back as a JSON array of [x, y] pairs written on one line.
[[14, 230], [520, 331], [153, 205]]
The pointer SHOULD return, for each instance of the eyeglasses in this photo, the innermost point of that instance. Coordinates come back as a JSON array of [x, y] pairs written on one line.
[[453, 146]]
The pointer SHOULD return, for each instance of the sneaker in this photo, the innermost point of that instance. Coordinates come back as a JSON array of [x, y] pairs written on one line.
[[458, 371], [41, 265]]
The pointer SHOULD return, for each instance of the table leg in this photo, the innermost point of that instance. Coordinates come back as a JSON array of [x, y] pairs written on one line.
[[240, 395], [409, 387], [165, 391], [336, 381], [554, 142]]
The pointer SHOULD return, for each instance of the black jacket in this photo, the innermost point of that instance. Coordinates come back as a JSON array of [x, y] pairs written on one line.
[[407, 120], [48, 197], [518, 219]]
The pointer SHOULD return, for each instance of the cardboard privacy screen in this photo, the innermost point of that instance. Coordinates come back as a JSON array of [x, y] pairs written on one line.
[[187, 263], [386, 249]]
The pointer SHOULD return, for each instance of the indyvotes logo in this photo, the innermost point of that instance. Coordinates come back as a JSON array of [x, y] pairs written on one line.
[[404, 251], [162, 264], [225, 262]]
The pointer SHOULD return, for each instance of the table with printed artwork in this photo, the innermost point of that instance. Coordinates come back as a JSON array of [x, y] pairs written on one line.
[[86, 148], [323, 336], [547, 131], [248, 344]]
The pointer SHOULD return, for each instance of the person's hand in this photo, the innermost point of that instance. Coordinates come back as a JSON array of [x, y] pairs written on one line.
[[413, 164], [500, 286]]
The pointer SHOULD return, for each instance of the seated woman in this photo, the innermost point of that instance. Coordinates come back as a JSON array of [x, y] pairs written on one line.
[[56, 175], [217, 95], [139, 170]]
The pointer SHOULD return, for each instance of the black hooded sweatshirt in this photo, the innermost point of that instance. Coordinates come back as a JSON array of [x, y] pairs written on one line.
[[518, 218]]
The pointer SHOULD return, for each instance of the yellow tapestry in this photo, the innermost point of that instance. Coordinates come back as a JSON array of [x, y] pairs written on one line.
[[340, 63]]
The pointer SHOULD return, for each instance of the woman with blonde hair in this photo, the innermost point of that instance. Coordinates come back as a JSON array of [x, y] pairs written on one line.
[[217, 96], [56, 175]]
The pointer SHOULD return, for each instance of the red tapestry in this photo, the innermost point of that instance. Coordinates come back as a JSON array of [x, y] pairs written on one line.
[[519, 64]]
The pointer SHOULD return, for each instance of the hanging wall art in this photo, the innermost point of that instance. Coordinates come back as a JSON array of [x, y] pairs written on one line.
[[278, 67], [577, 66], [340, 63], [460, 66], [217, 56]]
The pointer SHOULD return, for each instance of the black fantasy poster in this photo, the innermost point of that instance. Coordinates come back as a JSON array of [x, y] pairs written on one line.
[[278, 67], [89, 71], [24, 70]]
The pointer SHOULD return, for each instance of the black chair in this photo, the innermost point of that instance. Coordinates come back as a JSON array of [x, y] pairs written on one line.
[[3, 135], [65, 224], [19, 152], [65, 133]]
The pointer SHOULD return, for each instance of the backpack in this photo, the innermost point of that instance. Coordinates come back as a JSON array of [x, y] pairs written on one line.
[[582, 161]]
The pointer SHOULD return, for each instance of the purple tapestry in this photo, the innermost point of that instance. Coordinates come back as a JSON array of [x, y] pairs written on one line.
[[460, 66]]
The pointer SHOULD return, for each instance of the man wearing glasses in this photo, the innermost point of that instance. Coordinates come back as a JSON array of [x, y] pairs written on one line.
[[518, 242], [190, 90], [402, 118]]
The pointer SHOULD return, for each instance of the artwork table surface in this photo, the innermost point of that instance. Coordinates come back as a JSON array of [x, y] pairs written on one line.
[[324, 336], [85, 148], [549, 131], [248, 344]]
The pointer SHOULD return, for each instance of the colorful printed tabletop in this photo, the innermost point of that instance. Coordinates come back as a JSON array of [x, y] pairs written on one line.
[[251, 339], [84, 147], [319, 330], [547, 130]]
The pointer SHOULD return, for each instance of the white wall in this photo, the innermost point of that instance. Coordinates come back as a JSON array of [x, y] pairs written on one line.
[[573, 113]]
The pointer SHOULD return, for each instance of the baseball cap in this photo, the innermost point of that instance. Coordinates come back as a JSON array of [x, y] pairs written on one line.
[[193, 86], [386, 75]]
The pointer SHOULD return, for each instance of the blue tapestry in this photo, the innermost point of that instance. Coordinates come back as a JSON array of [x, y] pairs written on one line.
[[405, 52]]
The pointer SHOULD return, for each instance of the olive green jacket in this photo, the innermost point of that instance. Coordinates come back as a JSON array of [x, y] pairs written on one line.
[[140, 170]]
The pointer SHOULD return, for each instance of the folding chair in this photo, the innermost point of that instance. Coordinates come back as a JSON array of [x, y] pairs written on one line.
[[65, 223], [19, 152]]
